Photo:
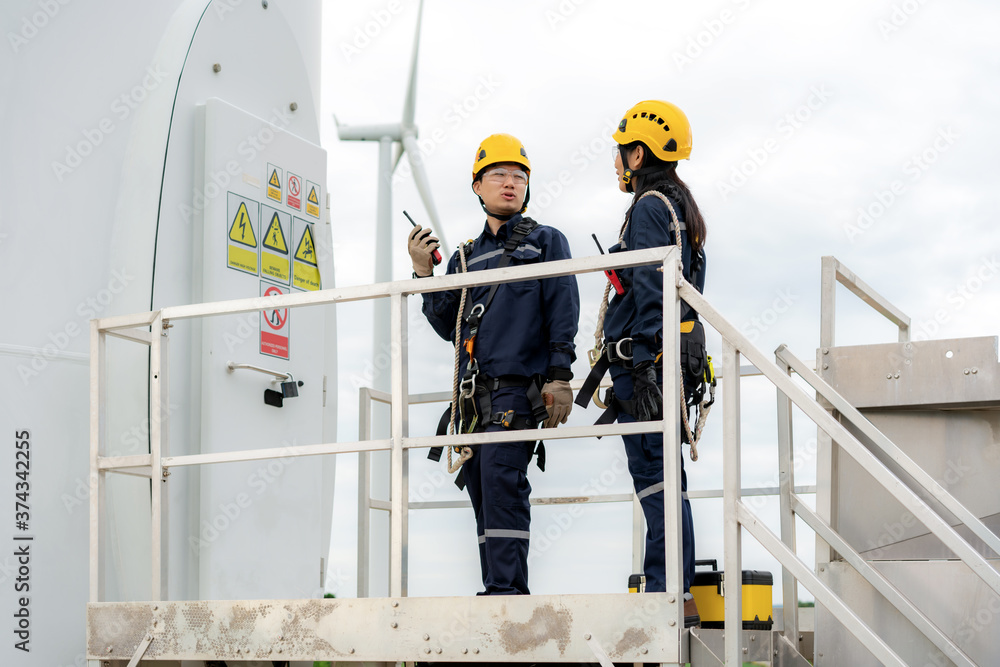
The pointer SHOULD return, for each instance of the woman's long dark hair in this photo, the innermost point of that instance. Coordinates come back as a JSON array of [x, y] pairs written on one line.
[[656, 174]]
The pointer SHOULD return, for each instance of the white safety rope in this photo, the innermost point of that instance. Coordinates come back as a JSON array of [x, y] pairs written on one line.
[[465, 452], [705, 406]]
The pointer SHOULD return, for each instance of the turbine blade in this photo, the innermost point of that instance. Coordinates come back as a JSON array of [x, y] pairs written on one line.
[[424, 187], [409, 107], [397, 157]]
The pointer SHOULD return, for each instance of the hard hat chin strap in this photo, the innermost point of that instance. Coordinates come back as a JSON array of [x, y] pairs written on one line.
[[629, 176], [498, 216]]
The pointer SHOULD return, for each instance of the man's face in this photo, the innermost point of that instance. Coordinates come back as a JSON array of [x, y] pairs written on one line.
[[502, 187]]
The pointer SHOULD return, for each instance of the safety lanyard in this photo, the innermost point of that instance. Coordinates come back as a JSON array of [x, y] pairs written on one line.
[[474, 313]]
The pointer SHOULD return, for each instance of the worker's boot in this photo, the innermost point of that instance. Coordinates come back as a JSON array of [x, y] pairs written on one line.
[[691, 617]]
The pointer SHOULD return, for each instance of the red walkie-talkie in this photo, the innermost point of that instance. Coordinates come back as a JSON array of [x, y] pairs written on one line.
[[610, 273], [435, 256]]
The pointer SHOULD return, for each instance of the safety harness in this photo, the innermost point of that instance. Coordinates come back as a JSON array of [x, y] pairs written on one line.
[[473, 394], [697, 375]]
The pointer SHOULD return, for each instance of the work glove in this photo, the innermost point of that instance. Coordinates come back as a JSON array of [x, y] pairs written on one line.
[[647, 397], [561, 402], [421, 247]]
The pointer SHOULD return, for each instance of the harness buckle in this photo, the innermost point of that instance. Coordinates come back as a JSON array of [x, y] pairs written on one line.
[[618, 349], [505, 419]]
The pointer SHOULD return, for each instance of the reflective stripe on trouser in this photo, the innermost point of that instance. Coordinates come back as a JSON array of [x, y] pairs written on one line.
[[497, 482], [645, 464]]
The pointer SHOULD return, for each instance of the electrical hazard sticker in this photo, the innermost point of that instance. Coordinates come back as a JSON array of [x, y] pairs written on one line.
[[274, 179], [274, 330], [242, 239], [305, 274], [294, 197], [313, 192], [274, 261]]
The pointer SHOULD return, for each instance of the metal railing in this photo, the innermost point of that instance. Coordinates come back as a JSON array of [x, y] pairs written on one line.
[[366, 503], [158, 464], [666, 623], [833, 272]]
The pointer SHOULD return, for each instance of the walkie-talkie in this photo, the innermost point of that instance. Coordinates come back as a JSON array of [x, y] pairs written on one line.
[[435, 256], [610, 273]]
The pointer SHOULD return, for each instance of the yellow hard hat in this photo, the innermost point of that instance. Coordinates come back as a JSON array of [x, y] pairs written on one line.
[[500, 148], [660, 125]]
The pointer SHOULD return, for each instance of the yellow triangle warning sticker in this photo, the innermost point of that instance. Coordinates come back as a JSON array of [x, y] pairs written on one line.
[[312, 196], [242, 229], [274, 238], [274, 181], [306, 252]]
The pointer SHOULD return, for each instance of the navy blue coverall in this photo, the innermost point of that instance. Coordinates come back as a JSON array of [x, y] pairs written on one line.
[[638, 314], [528, 329]]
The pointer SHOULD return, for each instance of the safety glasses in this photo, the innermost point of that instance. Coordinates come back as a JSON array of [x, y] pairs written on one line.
[[500, 174]]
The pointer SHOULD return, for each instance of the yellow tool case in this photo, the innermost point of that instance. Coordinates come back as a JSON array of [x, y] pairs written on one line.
[[708, 590]]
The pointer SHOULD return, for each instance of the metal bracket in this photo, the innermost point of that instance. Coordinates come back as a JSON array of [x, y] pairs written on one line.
[[140, 650], [788, 655], [700, 653], [598, 651]]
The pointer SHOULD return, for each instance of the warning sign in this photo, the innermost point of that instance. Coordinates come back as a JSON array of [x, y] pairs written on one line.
[[313, 192], [294, 198], [274, 261], [274, 179], [242, 239], [305, 274], [274, 330]]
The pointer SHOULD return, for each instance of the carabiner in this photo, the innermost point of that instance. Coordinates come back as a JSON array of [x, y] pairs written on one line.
[[468, 387]]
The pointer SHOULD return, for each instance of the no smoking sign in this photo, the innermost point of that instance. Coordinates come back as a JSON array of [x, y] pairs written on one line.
[[294, 198]]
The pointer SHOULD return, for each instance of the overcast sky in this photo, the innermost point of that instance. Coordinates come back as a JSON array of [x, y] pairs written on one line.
[[864, 130]]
